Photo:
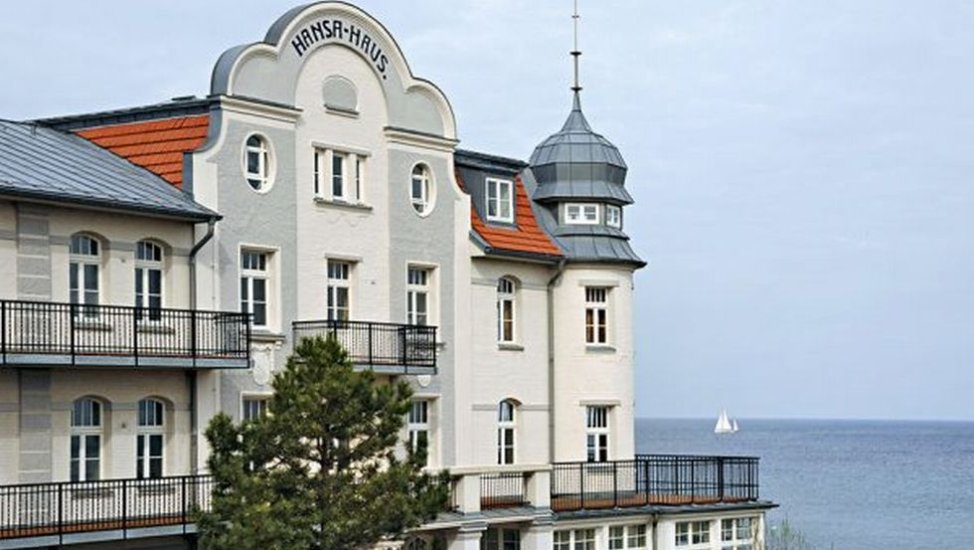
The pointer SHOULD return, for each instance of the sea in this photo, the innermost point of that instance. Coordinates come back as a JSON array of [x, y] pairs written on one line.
[[848, 484]]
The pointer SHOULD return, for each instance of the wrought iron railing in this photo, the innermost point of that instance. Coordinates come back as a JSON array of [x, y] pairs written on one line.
[[503, 490], [654, 480], [52, 333], [378, 344], [58, 510]]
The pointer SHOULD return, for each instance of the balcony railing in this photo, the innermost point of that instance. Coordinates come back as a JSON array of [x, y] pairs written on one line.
[[51, 333], [384, 347], [664, 480], [52, 513]]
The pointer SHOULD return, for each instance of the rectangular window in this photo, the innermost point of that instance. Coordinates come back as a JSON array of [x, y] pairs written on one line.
[[597, 433], [627, 537], [254, 275], [693, 534], [418, 296], [613, 216], [418, 426], [338, 175], [338, 183], [582, 213], [339, 290], [254, 407], [500, 200], [85, 457], [738, 533], [596, 315], [562, 540], [148, 455], [501, 539]]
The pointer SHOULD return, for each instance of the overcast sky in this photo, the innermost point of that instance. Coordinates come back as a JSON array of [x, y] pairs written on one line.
[[802, 170]]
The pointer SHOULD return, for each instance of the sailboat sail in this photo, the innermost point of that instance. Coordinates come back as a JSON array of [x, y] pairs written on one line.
[[723, 425]]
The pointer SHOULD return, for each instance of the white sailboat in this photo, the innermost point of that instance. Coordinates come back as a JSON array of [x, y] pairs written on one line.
[[724, 425]]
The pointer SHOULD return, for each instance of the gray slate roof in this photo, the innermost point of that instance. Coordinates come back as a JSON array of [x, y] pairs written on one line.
[[42, 163]]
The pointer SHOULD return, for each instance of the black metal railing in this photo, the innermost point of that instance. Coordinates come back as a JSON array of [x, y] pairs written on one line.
[[57, 510], [503, 490], [377, 344], [654, 479], [52, 333]]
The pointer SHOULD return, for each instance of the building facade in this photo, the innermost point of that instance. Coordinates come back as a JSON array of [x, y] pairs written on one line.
[[319, 189]]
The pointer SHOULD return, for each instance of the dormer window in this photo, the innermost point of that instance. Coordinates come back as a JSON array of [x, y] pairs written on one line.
[[613, 216], [500, 200], [582, 214]]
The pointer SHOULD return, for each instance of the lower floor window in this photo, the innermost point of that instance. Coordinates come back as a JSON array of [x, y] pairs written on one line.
[[574, 539], [149, 456], [85, 457], [737, 533], [501, 539], [627, 537], [693, 534]]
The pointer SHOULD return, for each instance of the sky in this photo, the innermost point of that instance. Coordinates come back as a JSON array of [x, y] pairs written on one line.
[[802, 170]]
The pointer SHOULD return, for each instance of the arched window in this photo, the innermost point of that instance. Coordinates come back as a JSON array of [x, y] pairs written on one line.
[[421, 190], [257, 158], [148, 278], [86, 434], [149, 443], [506, 310], [83, 271], [506, 428]]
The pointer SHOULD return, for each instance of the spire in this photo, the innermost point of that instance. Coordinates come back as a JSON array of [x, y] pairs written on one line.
[[575, 52]]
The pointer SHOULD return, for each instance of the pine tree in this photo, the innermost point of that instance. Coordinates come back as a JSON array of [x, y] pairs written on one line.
[[319, 471]]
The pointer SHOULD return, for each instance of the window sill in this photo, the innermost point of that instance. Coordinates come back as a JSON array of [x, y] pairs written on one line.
[[509, 346], [599, 348], [361, 206], [261, 335], [340, 111]]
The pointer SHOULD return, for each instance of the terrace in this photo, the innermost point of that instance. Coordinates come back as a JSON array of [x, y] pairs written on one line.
[[387, 348]]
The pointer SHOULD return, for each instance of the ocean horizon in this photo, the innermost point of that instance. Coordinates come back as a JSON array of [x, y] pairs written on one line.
[[847, 484]]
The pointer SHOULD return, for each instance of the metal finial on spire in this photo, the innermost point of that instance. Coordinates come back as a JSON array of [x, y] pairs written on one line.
[[575, 53]]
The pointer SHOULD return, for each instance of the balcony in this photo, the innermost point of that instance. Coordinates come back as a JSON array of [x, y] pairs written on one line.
[[386, 348], [47, 334]]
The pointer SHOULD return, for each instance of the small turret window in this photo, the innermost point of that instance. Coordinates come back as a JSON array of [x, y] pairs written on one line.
[[613, 216], [582, 214]]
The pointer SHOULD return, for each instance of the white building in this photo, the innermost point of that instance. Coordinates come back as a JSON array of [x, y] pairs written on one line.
[[319, 188]]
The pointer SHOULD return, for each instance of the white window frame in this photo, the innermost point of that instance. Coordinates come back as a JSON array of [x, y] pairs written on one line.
[[506, 310], [85, 264], [86, 422], [149, 260], [628, 537], [418, 426], [248, 275], [500, 208], [507, 432], [259, 181], [151, 426], [420, 177], [597, 315], [501, 538], [575, 539], [417, 286], [731, 530], [598, 437], [582, 213], [339, 283], [613, 216], [251, 403], [692, 535]]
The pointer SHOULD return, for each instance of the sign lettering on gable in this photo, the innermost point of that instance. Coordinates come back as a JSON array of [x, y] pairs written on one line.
[[338, 30]]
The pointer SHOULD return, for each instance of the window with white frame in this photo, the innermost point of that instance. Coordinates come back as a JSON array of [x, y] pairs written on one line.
[[506, 431], [83, 272], [149, 440], [627, 537], [501, 539], [339, 290], [338, 175], [500, 200], [148, 279], [613, 216], [421, 189], [574, 539], [418, 426], [597, 433], [86, 439], [255, 285], [253, 407], [596, 315], [582, 213], [257, 161], [418, 299], [693, 534], [506, 310], [738, 533]]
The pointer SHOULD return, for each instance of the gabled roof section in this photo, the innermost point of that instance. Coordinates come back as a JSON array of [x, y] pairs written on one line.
[[157, 145], [44, 164]]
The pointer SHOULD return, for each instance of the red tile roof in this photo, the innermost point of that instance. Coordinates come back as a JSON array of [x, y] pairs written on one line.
[[527, 237], [157, 145]]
